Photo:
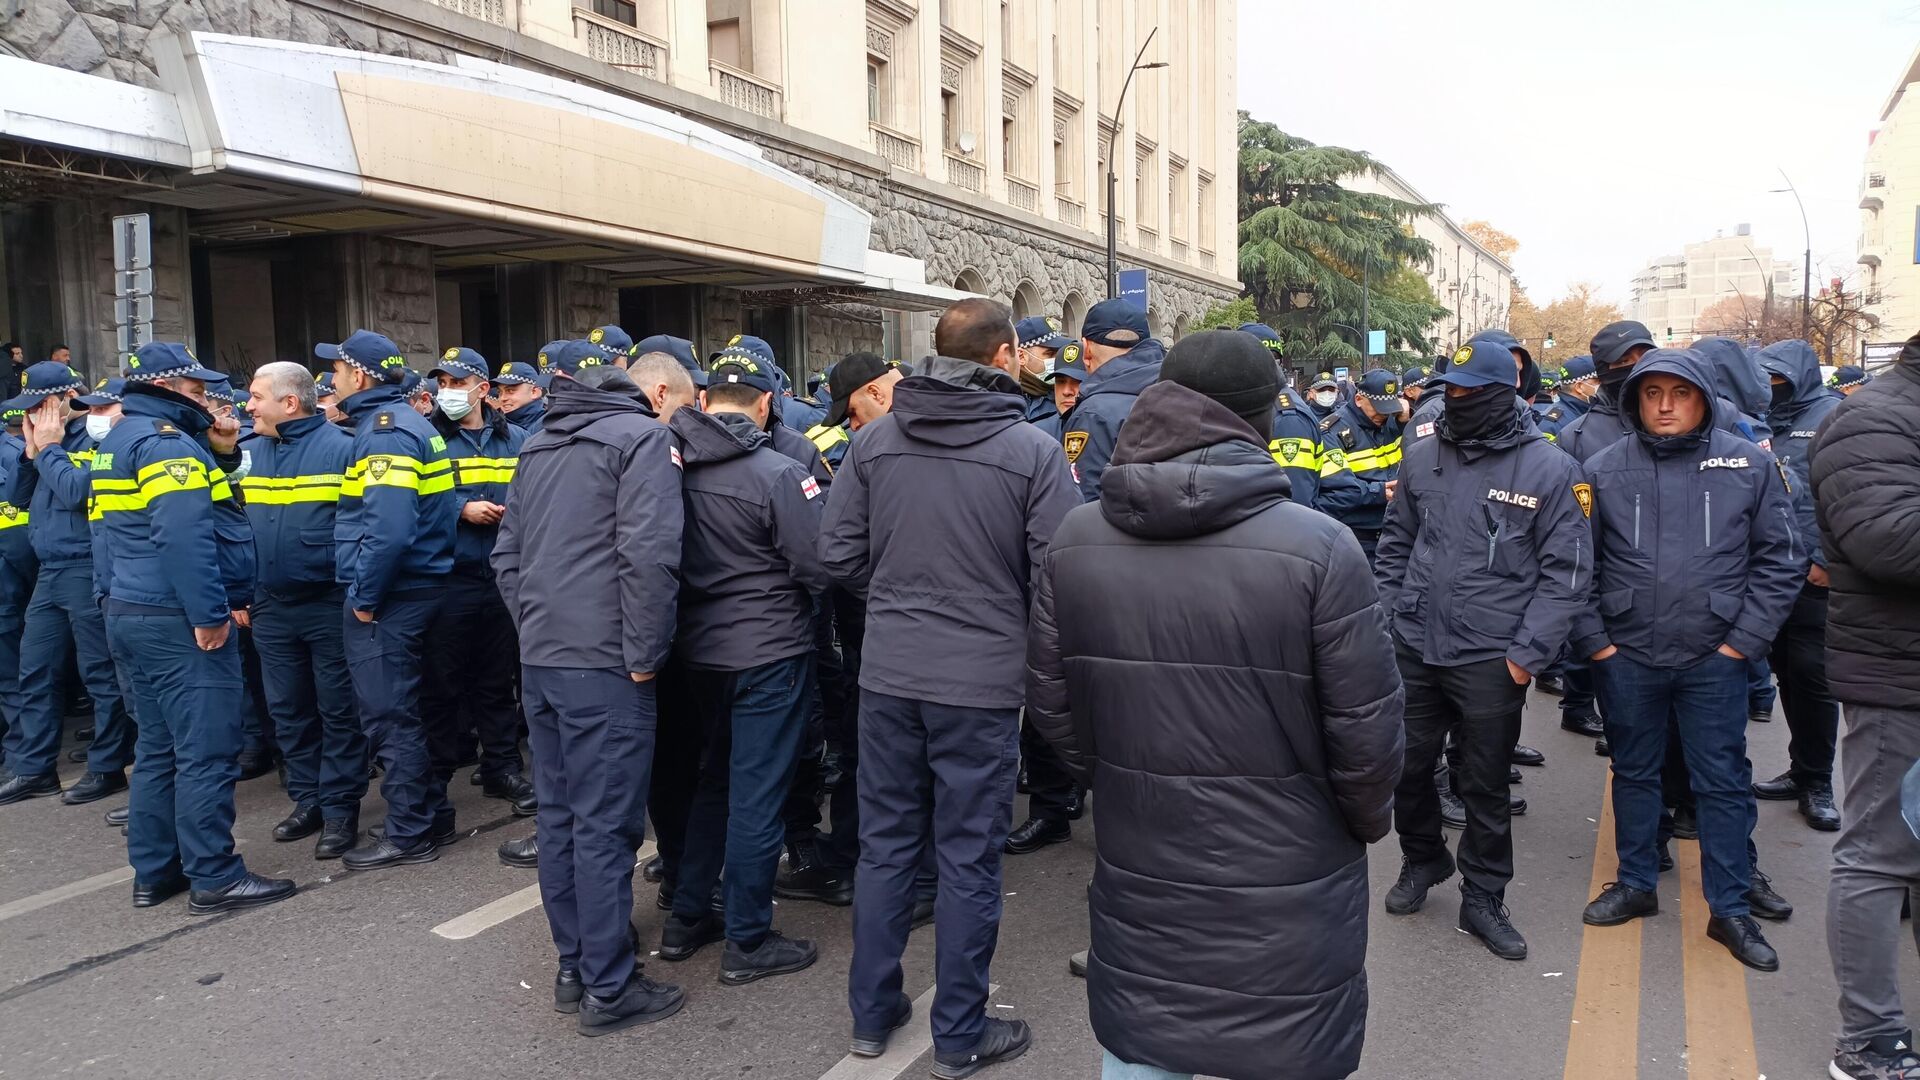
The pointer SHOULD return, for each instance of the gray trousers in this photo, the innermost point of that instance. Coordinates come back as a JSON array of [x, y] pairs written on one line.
[[1876, 863]]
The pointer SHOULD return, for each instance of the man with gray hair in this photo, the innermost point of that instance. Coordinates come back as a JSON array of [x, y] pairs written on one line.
[[291, 494]]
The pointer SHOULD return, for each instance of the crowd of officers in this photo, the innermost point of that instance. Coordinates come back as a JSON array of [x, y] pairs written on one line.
[[660, 570]]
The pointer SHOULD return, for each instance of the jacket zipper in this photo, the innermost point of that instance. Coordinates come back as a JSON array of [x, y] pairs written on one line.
[[1793, 538], [1636, 521], [1708, 497], [1493, 534]]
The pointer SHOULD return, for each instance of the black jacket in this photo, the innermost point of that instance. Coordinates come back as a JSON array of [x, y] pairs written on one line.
[[588, 556], [938, 518], [1694, 535], [1866, 488], [1795, 425], [750, 560], [1246, 752]]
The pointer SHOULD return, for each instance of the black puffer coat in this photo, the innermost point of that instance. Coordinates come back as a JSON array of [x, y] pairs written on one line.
[[1245, 751], [1866, 489]]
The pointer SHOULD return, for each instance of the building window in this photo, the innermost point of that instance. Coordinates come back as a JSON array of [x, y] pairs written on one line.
[[875, 80], [1206, 212], [620, 11], [723, 43], [949, 119], [1177, 201], [1145, 196], [1063, 170]]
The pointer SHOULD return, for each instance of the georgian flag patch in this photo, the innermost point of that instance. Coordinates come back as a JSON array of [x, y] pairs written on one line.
[[810, 488], [1423, 430], [677, 462]]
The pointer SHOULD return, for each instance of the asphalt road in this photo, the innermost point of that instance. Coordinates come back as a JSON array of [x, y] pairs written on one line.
[[350, 978]]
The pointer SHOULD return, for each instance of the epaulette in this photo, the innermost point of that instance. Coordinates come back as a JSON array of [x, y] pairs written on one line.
[[162, 427], [1327, 424], [383, 420]]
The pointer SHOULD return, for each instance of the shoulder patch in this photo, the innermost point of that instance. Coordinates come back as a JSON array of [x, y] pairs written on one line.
[[438, 443], [673, 453], [1583, 494], [384, 420], [1327, 424], [1074, 442], [1421, 431], [810, 488], [161, 427]]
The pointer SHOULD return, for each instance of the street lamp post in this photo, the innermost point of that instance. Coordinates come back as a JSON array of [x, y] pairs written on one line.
[[1113, 178], [1806, 265]]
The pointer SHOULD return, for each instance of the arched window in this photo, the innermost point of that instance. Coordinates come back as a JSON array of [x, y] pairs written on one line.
[[1073, 311], [969, 280], [1026, 301]]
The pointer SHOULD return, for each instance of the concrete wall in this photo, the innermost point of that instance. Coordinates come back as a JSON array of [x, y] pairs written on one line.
[[83, 259]]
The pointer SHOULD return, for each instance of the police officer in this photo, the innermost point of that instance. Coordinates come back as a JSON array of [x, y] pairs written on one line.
[[176, 562], [52, 484], [1801, 402], [940, 516], [518, 393], [1616, 348], [750, 569], [327, 399], [1412, 382], [394, 532], [1848, 378], [292, 493], [617, 343], [1121, 361], [1039, 343], [470, 654], [1486, 561], [1323, 394], [1069, 372], [1295, 445], [1360, 456], [18, 569], [1579, 382], [1697, 567], [596, 510]]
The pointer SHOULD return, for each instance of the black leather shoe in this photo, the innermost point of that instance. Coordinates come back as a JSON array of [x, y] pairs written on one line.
[[116, 818], [777, 954], [1076, 804], [1760, 716], [1764, 902], [254, 763], [251, 890], [515, 789], [1619, 903], [1816, 805], [1666, 859], [1409, 894], [441, 832], [872, 1044], [654, 869], [1077, 965], [1513, 774], [523, 853], [1036, 833], [147, 895], [642, 1001], [95, 786], [1742, 937], [378, 854], [1582, 724], [337, 837], [1453, 812], [84, 734], [1779, 789], [302, 823], [804, 878], [1603, 747], [1686, 823], [679, 940], [567, 990], [1485, 917], [21, 788], [1003, 1040], [922, 913], [1516, 806], [1528, 756], [77, 755], [1549, 684]]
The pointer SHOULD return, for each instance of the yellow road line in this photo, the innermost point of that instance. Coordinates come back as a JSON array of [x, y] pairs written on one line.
[[1603, 1042], [1719, 1021]]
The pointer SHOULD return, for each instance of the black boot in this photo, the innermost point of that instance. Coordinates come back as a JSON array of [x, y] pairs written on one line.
[[1764, 902], [515, 789], [1036, 833], [1619, 903], [806, 878], [1686, 822], [1816, 805], [680, 940], [567, 991], [654, 869], [1582, 723], [1485, 917], [302, 823], [523, 853], [874, 1043], [1409, 894], [98, 785], [337, 837]]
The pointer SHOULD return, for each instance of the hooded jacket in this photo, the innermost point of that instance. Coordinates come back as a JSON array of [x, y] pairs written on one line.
[[1425, 419], [484, 460], [1739, 380], [938, 518], [530, 417], [1795, 427], [1694, 535], [1486, 551], [750, 553], [1091, 428], [1866, 487], [1357, 458], [395, 525], [292, 496], [52, 488], [168, 532], [1245, 752], [588, 556]]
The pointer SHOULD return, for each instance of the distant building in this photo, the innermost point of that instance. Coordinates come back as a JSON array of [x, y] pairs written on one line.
[[1467, 279], [1670, 294], [1889, 193]]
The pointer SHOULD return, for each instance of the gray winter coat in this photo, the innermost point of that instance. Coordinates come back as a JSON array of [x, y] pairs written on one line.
[[1245, 751]]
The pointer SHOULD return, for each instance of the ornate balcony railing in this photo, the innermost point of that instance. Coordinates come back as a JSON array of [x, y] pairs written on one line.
[[620, 45], [896, 148], [743, 91], [1023, 195], [966, 174]]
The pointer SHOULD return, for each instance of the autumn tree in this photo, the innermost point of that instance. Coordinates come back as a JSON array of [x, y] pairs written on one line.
[[1500, 244], [1571, 321], [1760, 320]]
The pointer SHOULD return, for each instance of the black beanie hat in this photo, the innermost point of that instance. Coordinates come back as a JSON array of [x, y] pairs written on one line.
[[1232, 368]]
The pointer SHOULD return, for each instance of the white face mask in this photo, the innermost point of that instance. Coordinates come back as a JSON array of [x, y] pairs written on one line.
[[1326, 397], [98, 426], [454, 402]]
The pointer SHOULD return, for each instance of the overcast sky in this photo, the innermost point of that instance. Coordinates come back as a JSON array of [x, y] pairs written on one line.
[[1599, 134]]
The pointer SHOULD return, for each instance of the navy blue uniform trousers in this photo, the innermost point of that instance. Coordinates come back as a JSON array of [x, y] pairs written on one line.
[[472, 656], [941, 777], [63, 607], [16, 588], [180, 810], [384, 659], [592, 737], [753, 722], [303, 670]]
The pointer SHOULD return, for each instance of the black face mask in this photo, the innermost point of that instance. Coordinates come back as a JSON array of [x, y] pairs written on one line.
[[1782, 394], [1482, 414], [1613, 378]]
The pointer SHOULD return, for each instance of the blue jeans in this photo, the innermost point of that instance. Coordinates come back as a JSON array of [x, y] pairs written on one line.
[[1707, 702], [753, 721], [1760, 692], [1112, 1068]]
